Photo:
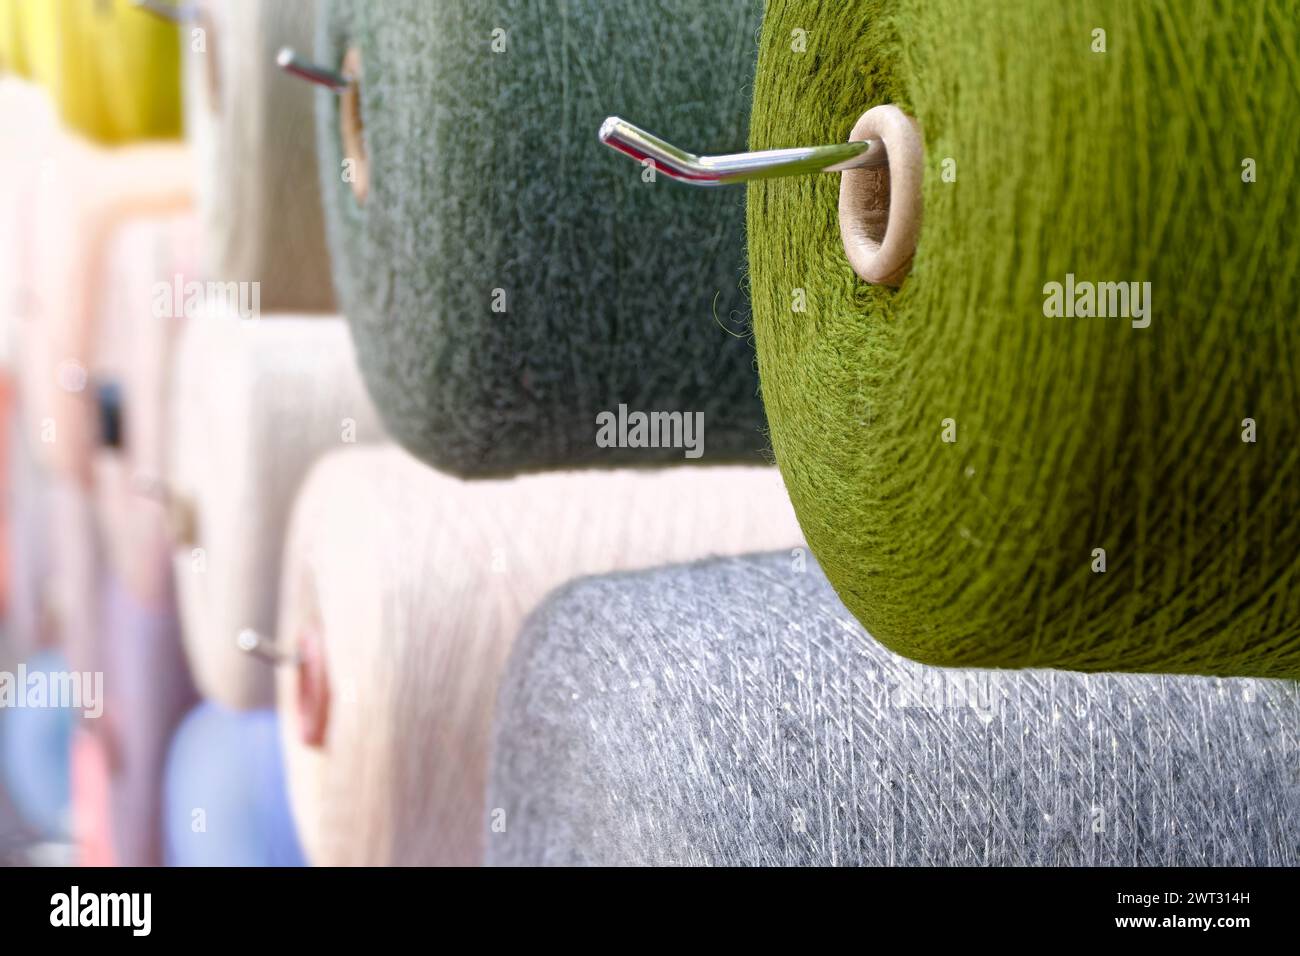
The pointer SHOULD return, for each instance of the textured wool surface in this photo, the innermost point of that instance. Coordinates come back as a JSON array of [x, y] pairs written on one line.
[[253, 132], [36, 756], [485, 175], [112, 69], [83, 195], [1073, 434], [147, 691], [255, 403], [732, 712], [135, 347], [415, 583], [225, 801]]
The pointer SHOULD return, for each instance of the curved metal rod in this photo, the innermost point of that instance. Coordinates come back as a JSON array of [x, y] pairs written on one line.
[[678, 164], [292, 63], [253, 643]]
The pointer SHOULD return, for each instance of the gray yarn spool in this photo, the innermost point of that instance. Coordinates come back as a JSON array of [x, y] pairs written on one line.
[[506, 278], [733, 712]]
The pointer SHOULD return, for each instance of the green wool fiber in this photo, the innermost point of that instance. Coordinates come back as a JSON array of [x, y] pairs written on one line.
[[1078, 439], [508, 279]]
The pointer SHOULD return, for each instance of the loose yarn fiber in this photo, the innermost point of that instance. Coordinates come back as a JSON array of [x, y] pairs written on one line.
[[415, 583], [765, 727], [1072, 434], [506, 279], [253, 133], [255, 404]]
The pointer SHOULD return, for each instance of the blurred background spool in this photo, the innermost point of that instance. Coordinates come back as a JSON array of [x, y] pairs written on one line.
[[226, 803], [91, 804], [956, 456], [112, 69], [253, 132], [30, 39], [136, 349], [147, 692], [84, 195], [147, 682], [411, 585], [35, 754], [69, 599], [30, 625], [255, 403], [505, 280], [24, 141], [732, 713]]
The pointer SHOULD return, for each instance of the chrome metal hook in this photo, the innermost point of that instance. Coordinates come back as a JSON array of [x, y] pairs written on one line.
[[678, 164], [178, 13], [289, 61], [253, 643]]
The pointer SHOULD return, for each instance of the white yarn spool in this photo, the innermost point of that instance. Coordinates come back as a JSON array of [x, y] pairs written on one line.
[[414, 585], [255, 404], [253, 130]]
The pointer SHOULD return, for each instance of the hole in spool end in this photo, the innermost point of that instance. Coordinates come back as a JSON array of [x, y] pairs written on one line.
[[311, 685], [352, 128], [880, 206]]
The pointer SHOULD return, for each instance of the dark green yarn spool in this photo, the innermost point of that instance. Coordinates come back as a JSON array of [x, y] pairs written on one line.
[[485, 175], [1072, 434]]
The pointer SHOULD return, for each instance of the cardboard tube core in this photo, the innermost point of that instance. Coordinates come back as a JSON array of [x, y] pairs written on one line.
[[352, 127], [880, 207]]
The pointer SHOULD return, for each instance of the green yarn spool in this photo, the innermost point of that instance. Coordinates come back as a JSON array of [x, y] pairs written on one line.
[[1072, 434], [507, 279]]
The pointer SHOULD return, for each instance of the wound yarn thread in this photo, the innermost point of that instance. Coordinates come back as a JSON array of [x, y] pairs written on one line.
[[255, 404], [733, 713], [253, 132], [415, 589], [962, 463], [507, 280]]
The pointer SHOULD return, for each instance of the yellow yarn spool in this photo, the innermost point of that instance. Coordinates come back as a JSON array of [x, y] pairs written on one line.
[[13, 54], [112, 69], [28, 31]]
